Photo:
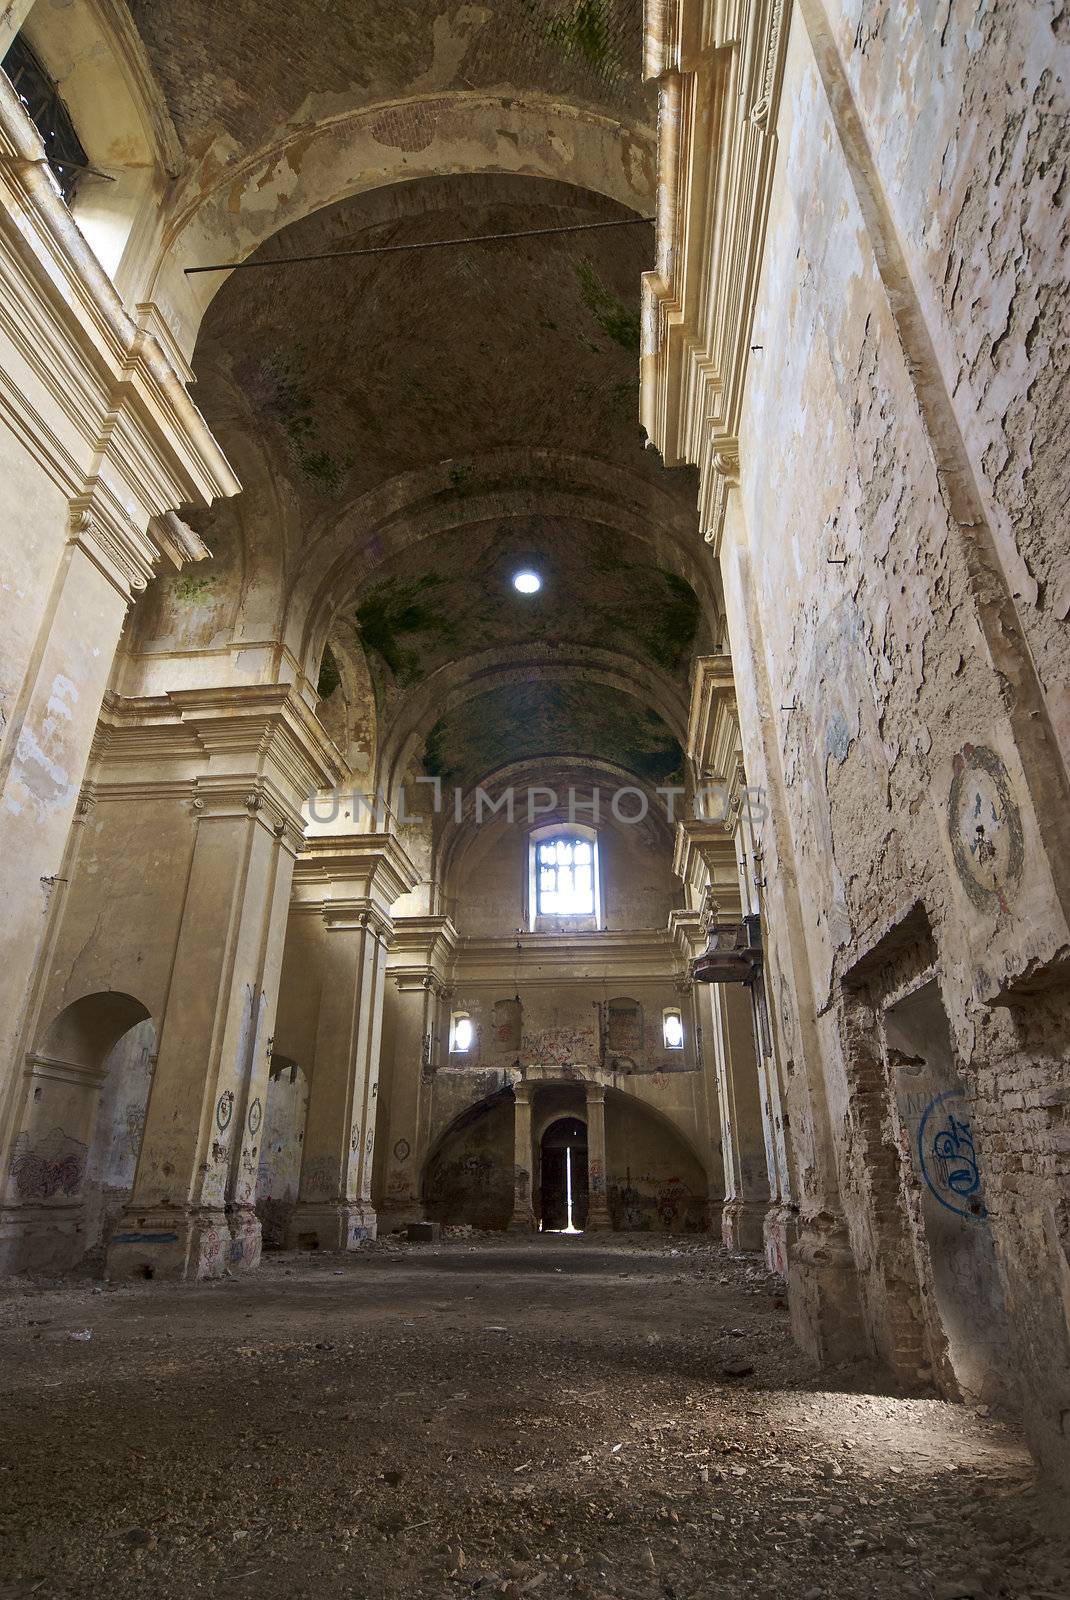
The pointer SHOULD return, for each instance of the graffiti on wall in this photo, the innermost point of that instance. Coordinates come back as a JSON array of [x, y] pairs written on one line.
[[54, 1165], [947, 1155]]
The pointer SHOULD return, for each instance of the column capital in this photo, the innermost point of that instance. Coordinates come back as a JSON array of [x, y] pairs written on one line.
[[221, 745], [358, 916]]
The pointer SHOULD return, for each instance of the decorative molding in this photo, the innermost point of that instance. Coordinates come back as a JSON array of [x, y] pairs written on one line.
[[335, 875], [638, 955], [422, 952], [713, 497], [706, 861], [713, 736], [719, 69]]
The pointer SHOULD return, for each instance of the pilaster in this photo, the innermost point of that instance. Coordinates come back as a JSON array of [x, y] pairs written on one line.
[[248, 757], [523, 1218], [598, 1209], [100, 442], [347, 886], [419, 967]]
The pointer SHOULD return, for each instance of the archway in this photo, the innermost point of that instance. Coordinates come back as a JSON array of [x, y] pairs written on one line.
[[564, 1181], [73, 1159]]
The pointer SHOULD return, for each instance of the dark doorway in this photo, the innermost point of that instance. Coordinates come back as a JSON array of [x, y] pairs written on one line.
[[564, 1176]]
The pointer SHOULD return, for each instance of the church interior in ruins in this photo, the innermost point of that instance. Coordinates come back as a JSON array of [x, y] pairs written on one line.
[[534, 750]]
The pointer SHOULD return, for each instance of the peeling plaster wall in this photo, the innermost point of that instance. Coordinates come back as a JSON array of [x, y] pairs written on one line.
[[653, 1184], [876, 722], [967, 109], [118, 922], [469, 1179]]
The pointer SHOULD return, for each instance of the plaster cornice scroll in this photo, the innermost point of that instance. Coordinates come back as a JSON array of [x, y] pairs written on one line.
[[113, 544]]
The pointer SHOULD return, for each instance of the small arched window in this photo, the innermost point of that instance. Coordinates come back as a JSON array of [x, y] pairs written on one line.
[[462, 1033], [672, 1028]]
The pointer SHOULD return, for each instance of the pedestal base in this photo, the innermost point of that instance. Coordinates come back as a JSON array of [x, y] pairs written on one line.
[[246, 1239], [172, 1245], [333, 1225], [780, 1230], [742, 1223], [598, 1218], [522, 1219], [42, 1238], [826, 1312]]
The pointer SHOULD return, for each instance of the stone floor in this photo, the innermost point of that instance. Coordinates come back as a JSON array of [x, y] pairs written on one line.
[[584, 1418]]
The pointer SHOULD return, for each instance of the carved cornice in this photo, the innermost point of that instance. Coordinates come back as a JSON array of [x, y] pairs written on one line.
[[617, 955], [719, 69], [705, 859], [358, 915], [372, 868], [422, 951], [713, 737], [177, 539], [685, 930], [250, 748]]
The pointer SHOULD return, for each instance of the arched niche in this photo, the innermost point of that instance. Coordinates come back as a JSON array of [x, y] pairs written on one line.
[[75, 1154], [654, 1181], [468, 1176]]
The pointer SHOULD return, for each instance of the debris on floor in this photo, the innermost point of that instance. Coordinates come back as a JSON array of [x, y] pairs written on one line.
[[606, 1419]]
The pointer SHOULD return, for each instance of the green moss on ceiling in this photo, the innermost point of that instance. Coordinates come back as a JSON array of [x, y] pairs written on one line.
[[190, 587], [393, 616], [615, 319], [583, 30], [286, 399], [664, 621], [533, 718]]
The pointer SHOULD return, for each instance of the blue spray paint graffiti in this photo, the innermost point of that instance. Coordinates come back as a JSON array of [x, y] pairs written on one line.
[[947, 1156]]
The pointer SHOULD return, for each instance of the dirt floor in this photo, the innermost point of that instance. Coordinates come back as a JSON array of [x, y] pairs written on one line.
[[583, 1418]]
